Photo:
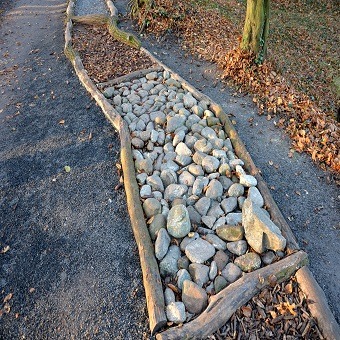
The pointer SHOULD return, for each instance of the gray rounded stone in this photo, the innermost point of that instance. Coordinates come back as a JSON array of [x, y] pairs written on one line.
[[199, 185], [169, 296], [229, 204], [231, 272], [144, 165], [188, 239], [248, 180], [225, 170], [155, 182], [145, 191], [183, 150], [194, 297], [203, 205], [157, 223], [203, 145], [175, 312], [189, 101], [194, 216], [196, 169], [173, 191], [168, 177], [234, 218], [208, 133], [168, 265], [216, 242], [198, 157], [209, 221], [268, 257], [213, 270], [186, 178], [248, 262], [183, 263], [199, 251], [221, 259], [236, 190], [175, 122], [151, 207], [214, 189], [199, 273], [182, 275], [238, 247], [162, 244], [255, 196], [220, 283], [210, 164], [178, 222]]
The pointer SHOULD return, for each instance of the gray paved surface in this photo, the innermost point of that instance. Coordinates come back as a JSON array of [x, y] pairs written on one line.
[[69, 233]]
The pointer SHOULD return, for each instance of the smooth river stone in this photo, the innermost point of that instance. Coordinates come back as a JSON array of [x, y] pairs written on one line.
[[178, 222], [199, 251]]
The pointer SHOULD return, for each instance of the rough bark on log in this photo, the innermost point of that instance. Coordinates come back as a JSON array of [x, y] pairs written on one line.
[[225, 303], [151, 277], [317, 304]]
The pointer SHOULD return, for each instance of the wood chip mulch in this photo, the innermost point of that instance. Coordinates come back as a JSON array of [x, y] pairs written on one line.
[[105, 58], [280, 312]]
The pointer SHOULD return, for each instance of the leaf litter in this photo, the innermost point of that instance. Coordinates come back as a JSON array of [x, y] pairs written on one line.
[[298, 83]]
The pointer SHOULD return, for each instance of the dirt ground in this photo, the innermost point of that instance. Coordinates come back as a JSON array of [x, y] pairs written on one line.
[[72, 264]]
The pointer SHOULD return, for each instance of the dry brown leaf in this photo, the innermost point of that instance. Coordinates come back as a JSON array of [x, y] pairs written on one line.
[[8, 297]]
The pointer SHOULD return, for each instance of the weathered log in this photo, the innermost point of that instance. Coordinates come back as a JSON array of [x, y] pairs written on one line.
[[112, 26], [317, 304], [129, 77], [222, 305], [151, 277]]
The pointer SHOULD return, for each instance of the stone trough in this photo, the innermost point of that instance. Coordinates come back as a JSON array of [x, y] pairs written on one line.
[[209, 234]]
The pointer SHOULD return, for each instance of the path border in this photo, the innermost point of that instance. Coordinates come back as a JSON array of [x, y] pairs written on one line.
[[151, 278]]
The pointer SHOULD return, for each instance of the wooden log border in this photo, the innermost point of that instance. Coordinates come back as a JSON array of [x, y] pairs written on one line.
[[151, 278], [305, 278], [224, 304]]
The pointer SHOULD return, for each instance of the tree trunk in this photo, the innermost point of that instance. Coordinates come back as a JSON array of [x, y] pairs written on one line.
[[256, 28]]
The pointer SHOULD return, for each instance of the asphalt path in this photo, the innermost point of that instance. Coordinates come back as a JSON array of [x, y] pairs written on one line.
[[67, 251], [69, 265]]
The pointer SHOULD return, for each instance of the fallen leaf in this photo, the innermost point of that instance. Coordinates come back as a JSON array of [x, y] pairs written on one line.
[[270, 162], [7, 308], [246, 310], [5, 250], [32, 290], [8, 297], [289, 288], [61, 122], [67, 168]]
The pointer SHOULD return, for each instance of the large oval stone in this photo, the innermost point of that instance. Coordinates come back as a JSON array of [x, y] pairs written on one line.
[[178, 223]]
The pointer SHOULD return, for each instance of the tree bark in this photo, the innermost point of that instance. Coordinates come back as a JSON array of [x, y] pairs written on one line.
[[256, 29]]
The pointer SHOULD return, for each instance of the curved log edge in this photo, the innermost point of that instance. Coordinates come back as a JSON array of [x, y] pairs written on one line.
[[324, 316], [317, 304], [224, 304], [151, 277]]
